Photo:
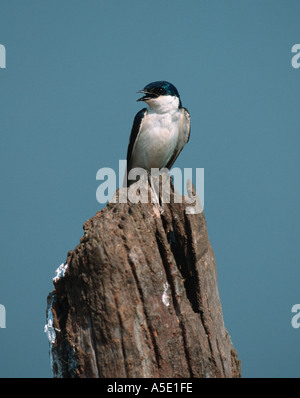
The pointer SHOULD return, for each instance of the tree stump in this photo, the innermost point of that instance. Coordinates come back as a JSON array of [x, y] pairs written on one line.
[[138, 297]]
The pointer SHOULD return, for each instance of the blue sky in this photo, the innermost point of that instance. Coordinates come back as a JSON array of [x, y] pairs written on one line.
[[68, 99]]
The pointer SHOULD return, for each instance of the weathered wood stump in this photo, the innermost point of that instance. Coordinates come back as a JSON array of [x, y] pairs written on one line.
[[139, 298]]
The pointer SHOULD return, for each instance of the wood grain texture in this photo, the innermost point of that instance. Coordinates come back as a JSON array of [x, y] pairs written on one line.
[[140, 298]]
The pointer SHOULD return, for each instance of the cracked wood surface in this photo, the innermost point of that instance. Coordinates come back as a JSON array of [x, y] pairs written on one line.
[[140, 298]]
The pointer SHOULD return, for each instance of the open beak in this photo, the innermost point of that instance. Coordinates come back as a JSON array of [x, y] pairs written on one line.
[[147, 95]]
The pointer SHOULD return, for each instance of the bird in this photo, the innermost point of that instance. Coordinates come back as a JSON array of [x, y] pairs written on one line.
[[160, 131]]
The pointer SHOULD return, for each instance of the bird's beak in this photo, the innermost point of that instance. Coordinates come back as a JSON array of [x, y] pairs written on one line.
[[147, 95]]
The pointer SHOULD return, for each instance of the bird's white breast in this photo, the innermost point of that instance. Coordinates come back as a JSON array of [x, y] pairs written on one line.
[[157, 139]]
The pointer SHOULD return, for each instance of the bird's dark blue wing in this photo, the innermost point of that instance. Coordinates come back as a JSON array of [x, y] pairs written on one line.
[[134, 133]]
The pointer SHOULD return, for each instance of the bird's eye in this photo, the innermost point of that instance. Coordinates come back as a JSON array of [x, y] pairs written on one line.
[[161, 90]]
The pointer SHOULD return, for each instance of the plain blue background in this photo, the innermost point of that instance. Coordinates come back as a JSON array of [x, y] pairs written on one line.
[[68, 99]]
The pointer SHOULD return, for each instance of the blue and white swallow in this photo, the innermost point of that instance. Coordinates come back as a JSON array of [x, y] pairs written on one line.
[[160, 132]]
